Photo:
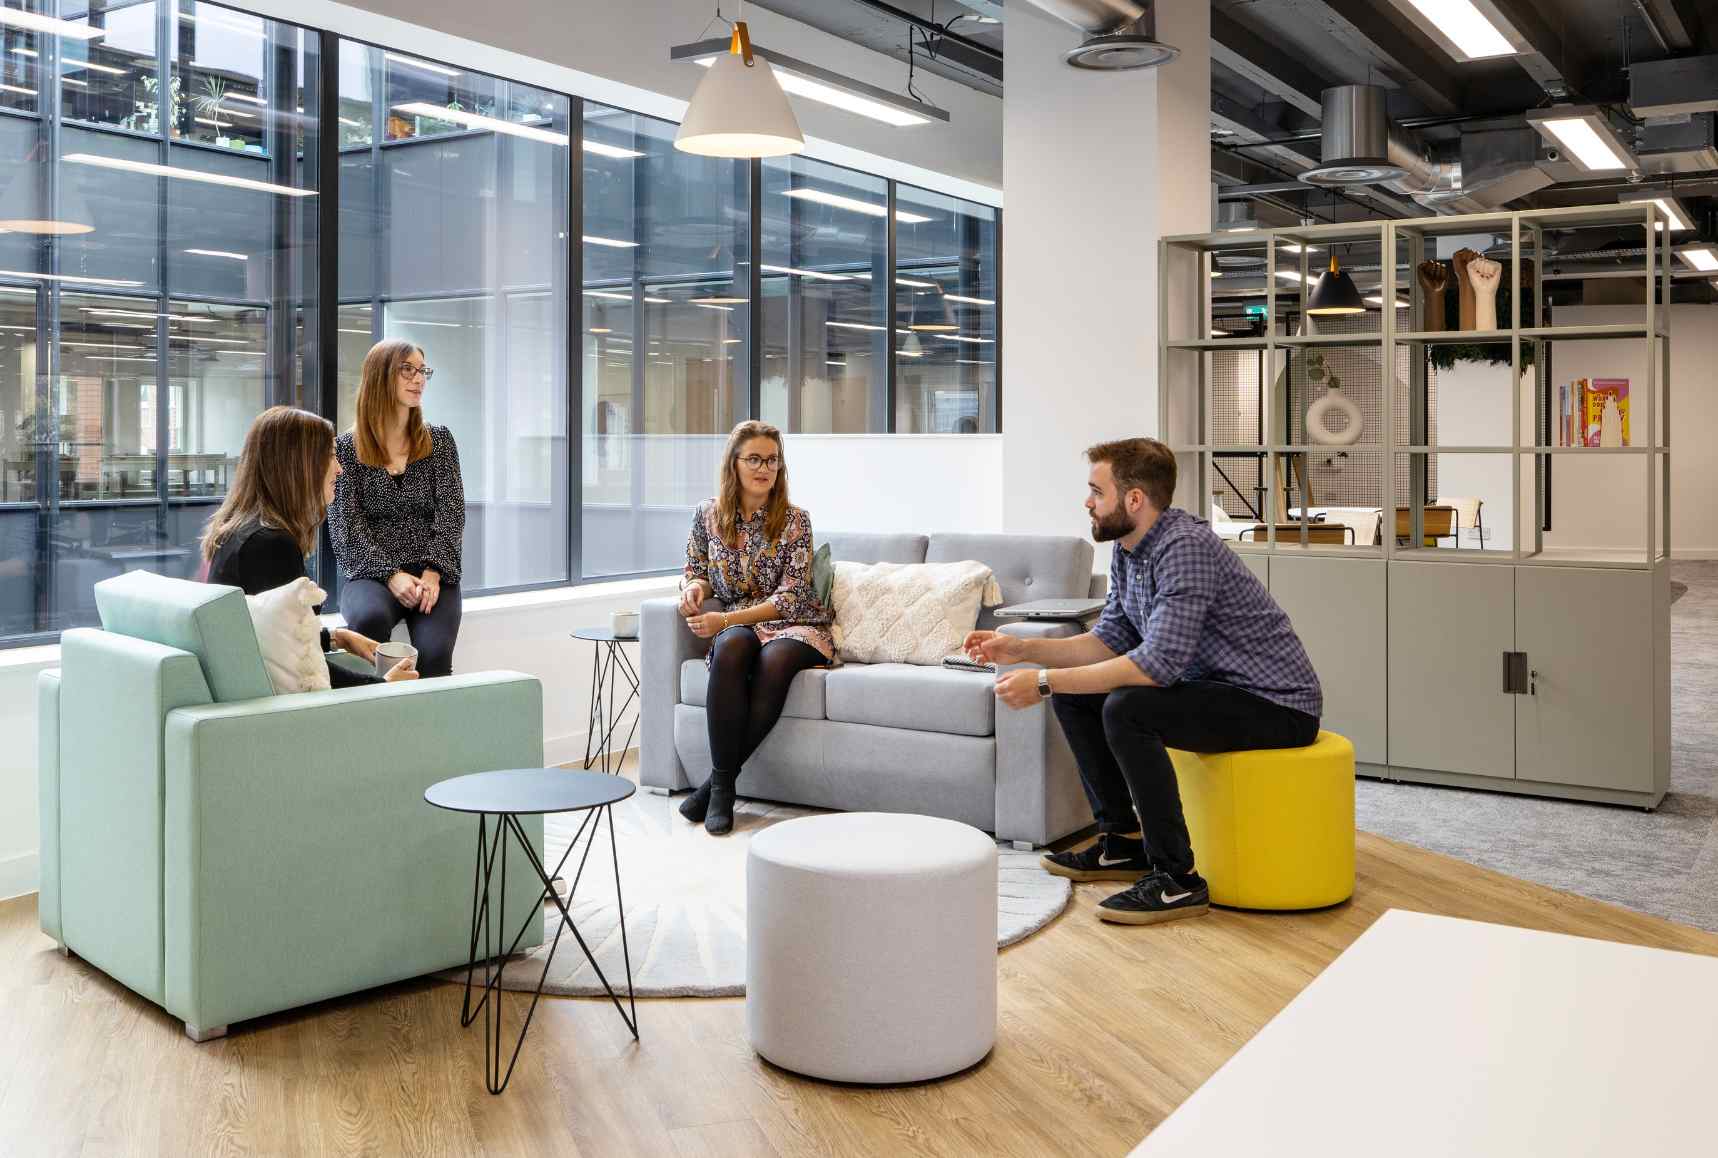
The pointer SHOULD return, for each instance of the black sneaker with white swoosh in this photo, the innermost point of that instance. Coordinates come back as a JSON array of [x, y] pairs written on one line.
[[1157, 897], [1109, 858]]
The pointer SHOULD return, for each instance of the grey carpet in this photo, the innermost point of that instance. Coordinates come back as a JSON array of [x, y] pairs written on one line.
[[1664, 862], [685, 896]]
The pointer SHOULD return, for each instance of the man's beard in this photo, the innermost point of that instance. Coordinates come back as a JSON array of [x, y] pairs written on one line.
[[1112, 526]]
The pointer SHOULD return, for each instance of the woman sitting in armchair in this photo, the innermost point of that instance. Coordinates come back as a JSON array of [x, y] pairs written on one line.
[[751, 549]]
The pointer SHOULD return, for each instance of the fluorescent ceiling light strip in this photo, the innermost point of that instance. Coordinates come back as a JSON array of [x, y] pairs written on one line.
[[366, 333], [414, 62], [208, 338], [911, 353], [92, 66], [965, 338], [712, 306], [155, 170], [840, 98], [604, 150], [1578, 136], [231, 22], [972, 362], [19, 89], [1296, 247], [114, 358], [967, 300], [1466, 27], [220, 253], [104, 346], [610, 242], [70, 279], [810, 273], [473, 120], [36, 22], [423, 322], [22, 51], [350, 123], [115, 313], [74, 80], [854, 326], [19, 329], [620, 297], [246, 97], [841, 201]]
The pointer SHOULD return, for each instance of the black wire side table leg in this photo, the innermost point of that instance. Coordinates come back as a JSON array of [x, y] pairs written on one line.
[[610, 665], [495, 958]]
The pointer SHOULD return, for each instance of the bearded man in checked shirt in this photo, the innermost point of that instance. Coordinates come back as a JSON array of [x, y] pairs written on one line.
[[1191, 652]]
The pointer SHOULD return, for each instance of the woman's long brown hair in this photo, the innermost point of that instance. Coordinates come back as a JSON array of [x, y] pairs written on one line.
[[376, 405], [279, 479], [728, 485]]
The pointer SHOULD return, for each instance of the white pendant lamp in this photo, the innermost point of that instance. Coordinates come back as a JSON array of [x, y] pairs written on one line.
[[738, 109]]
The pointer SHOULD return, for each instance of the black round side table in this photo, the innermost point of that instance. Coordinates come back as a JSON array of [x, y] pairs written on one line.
[[610, 666], [507, 795]]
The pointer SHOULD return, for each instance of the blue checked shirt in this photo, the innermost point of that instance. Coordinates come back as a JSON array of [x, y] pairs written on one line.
[[1183, 606]]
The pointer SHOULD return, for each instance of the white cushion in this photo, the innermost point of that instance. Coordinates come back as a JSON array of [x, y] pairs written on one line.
[[289, 635], [908, 612], [871, 946]]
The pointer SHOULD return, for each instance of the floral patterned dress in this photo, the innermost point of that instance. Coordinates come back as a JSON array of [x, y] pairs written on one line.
[[756, 569]]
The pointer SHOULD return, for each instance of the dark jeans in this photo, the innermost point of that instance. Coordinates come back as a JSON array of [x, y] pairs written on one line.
[[371, 609], [1120, 741], [747, 691]]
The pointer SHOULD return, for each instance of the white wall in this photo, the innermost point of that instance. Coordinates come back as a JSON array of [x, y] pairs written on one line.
[[1473, 401], [1097, 168], [617, 52], [1600, 502]]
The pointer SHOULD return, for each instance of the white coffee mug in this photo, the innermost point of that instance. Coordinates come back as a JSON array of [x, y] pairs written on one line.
[[390, 653], [624, 624]]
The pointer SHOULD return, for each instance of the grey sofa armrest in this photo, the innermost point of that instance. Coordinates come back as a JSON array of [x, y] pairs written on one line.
[[1038, 793], [664, 644]]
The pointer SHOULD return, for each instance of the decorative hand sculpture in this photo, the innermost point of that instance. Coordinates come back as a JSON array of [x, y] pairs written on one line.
[[1484, 274], [1434, 276], [1464, 287]]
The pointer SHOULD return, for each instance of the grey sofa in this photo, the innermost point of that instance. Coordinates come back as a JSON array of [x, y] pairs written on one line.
[[890, 737]]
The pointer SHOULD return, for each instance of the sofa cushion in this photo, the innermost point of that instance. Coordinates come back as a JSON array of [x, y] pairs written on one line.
[[923, 699], [908, 612], [208, 620], [805, 698], [1027, 566], [857, 547]]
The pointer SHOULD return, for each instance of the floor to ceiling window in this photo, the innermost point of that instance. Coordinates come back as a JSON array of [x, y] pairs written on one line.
[[945, 305], [825, 298], [223, 212], [454, 197], [154, 310], [666, 307]]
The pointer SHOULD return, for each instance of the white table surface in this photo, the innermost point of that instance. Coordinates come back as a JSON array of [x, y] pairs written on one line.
[[1435, 1036]]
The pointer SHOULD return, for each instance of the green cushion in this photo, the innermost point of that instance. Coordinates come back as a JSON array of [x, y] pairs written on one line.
[[210, 621]]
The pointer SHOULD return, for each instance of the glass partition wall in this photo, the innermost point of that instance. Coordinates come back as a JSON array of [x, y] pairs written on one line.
[[177, 166]]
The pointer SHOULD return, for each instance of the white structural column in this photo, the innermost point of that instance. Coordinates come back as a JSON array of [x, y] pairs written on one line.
[[1096, 167]]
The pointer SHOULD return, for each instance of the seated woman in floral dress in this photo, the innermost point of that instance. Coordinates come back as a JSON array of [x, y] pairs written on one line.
[[751, 549]]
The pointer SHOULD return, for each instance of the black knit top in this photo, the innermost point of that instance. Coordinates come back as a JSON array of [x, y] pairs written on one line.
[[381, 523]]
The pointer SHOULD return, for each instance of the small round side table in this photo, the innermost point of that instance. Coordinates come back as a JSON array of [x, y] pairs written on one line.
[[610, 667], [506, 795]]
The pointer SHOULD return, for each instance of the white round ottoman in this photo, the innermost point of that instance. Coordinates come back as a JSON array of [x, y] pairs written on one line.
[[871, 946]]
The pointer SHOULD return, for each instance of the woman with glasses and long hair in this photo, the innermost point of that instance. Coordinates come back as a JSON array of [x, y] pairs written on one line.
[[751, 549], [259, 537], [398, 520]]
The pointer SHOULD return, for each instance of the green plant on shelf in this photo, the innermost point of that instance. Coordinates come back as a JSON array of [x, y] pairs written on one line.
[[145, 115], [209, 103]]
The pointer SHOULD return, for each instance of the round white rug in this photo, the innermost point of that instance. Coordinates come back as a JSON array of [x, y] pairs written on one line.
[[685, 898]]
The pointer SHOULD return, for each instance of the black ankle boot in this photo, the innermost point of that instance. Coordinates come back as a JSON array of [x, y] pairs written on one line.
[[695, 805], [719, 817]]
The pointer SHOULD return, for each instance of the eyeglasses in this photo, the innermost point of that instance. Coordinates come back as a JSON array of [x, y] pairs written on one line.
[[753, 462], [410, 371]]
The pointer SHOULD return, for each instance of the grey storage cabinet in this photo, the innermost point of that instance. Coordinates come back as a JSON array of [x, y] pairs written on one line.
[[1481, 644]]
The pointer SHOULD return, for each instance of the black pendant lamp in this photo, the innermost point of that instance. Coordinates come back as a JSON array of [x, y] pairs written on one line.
[[1335, 293]]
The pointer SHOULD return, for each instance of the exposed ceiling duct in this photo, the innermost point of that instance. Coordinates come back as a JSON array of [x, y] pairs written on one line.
[[1359, 146], [1120, 34]]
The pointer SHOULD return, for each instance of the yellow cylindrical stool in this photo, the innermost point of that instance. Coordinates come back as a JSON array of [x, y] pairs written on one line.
[[1272, 828]]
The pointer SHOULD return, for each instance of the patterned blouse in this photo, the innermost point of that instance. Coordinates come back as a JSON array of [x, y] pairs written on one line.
[[757, 569], [381, 523]]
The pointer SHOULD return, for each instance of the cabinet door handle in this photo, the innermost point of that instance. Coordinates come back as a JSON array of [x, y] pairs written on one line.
[[1515, 678]]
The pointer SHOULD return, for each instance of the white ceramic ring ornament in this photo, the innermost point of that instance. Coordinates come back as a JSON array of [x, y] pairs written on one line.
[[1318, 419]]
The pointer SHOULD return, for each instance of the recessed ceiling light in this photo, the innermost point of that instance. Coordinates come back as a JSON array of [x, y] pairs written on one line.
[[424, 65], [1585, 133], [1460, 27], [1676, 215], [1701, 257]]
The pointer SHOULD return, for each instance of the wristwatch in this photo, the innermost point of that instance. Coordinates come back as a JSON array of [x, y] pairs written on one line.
[[1044, 683]]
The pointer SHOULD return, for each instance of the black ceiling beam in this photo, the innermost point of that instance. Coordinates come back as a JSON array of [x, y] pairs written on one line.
[[1371, 28], [1266, 65], [1675, 23], [1556, 66]]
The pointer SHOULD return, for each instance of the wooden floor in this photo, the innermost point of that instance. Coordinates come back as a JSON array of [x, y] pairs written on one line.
[[1103, 1031]]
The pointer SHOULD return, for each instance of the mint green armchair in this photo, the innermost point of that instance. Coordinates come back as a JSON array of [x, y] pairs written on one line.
[[229, 853]]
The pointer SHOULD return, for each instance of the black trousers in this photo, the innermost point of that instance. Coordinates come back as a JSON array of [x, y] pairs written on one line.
[[1120, 741], [748, 688], [371, 609]]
